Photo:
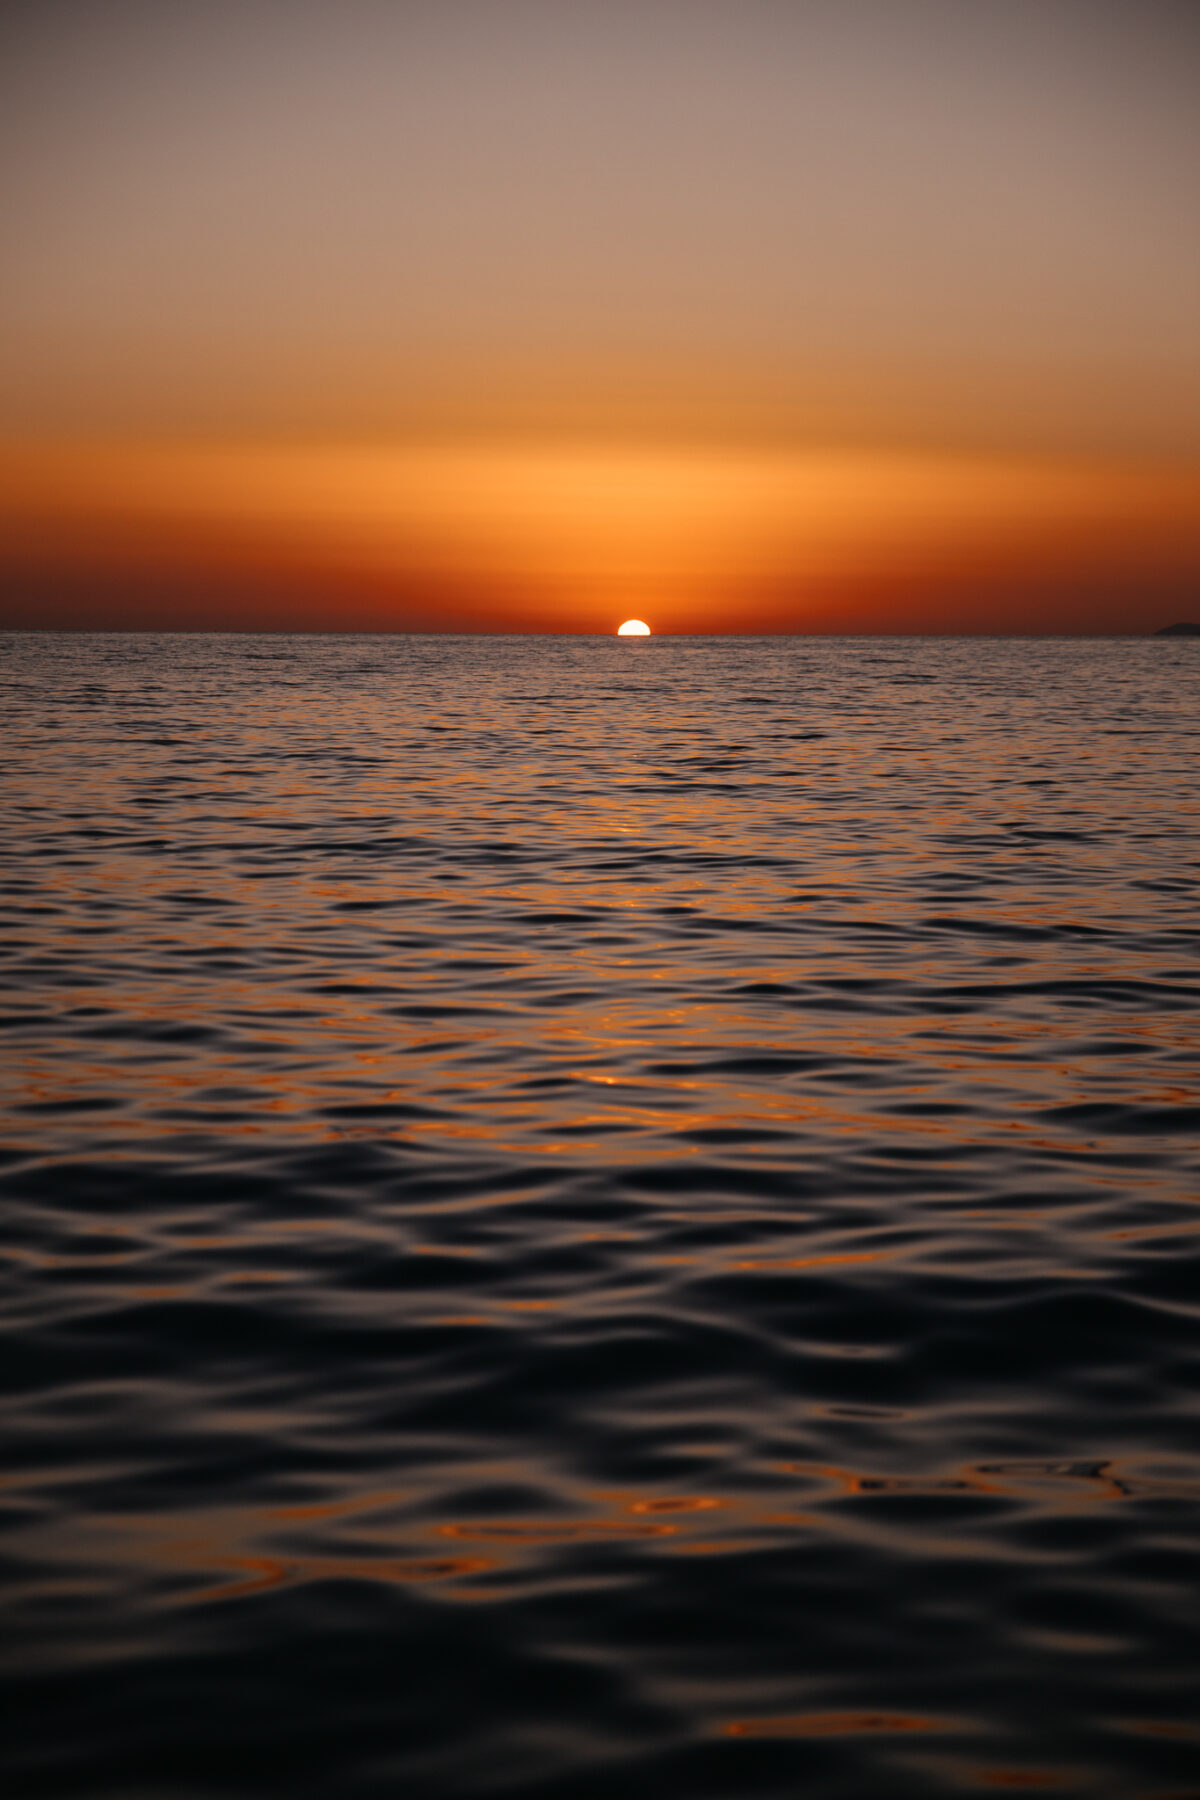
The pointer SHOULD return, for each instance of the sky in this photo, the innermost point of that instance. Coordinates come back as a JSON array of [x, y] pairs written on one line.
[[776, 315]]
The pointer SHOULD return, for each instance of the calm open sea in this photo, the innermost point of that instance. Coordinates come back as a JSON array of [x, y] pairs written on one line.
[[592, 1219]]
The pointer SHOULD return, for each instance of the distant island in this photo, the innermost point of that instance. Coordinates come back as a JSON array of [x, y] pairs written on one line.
[[1185, 628]]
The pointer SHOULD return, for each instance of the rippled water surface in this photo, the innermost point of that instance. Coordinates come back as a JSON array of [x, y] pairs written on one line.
[[600, 1219]]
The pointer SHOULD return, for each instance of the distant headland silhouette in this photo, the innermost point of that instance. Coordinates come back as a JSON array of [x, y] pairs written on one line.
[[1185, 628]]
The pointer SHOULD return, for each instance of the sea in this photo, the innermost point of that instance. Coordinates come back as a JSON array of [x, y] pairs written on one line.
[[593, 1219]]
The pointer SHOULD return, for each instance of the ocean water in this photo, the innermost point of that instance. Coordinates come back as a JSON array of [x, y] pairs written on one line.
[[600, 1219]]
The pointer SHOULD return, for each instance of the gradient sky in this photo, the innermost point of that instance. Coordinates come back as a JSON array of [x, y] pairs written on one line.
[[829, 314]]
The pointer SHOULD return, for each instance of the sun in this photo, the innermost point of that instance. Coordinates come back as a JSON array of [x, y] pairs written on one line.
[[633, 628]]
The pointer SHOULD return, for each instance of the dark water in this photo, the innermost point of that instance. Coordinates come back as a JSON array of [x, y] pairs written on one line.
[[588, 1218]]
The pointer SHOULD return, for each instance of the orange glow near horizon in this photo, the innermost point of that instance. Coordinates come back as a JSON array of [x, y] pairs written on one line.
[[552, 537]]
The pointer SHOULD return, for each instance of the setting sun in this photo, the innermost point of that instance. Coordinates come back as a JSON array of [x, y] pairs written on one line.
[[633, 628]]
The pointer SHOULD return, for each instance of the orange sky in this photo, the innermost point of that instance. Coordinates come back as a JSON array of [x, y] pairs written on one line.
[[521, 315], [553, 537]]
